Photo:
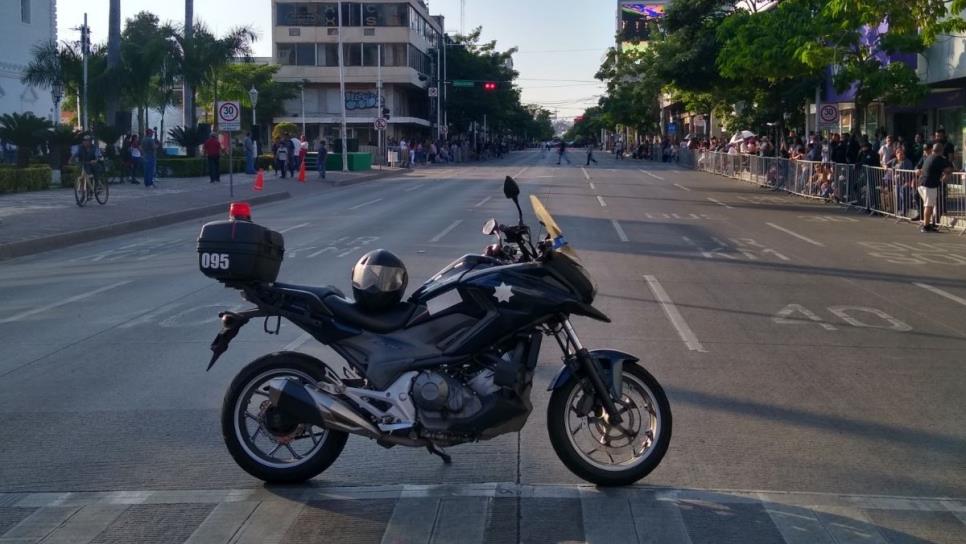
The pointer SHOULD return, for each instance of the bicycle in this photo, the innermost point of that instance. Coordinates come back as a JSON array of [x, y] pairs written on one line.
[[87, 187]]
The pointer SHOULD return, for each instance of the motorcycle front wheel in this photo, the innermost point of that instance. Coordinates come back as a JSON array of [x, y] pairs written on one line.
[[604, 453], [263, 441]]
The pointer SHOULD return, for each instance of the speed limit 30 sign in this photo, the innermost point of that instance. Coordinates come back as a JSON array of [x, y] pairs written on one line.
[[229, 115]]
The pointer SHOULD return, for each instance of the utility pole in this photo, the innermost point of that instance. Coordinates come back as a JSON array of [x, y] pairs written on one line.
[[439, 83], [86, 51], [379, 133], [345, 143]]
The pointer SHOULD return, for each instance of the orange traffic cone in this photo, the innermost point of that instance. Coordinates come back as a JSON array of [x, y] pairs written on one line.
[[260, 180], [302, 171]]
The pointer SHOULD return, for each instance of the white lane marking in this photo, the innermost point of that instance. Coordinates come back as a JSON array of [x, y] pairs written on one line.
[[64, 302], [586, 175], [520, 173], [941, 293], [720, 203], [413, 188], [796, 235], [446, 231], [684, 331], [364, 204], [620, 230], [678, 185], [289, 229], [592, 186], [659, 178], [482, 202], [298, 342], [348, 251], [601, 200]]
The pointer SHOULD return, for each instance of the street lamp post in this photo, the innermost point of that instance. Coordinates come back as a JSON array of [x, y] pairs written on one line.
[[253, 95], [57, 93], [302, 98]]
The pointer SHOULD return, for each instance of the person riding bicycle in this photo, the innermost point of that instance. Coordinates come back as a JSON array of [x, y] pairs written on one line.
[[88, 155]]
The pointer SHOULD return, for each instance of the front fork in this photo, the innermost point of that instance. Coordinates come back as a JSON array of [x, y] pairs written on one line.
[[589, 366]]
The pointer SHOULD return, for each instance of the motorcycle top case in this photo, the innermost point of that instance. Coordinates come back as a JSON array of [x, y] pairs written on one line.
[[240, 251]]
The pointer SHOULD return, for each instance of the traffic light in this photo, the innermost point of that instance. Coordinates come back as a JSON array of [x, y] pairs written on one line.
[[385, 113], [489, 86]]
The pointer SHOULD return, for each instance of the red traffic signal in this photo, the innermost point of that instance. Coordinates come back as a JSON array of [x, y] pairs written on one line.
[[489, 86]]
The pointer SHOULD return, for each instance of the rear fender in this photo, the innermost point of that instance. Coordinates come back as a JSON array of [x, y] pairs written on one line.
[[611, 361]]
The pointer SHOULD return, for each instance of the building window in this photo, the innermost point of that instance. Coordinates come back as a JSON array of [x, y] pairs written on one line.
[[305, 54], [394, 54], [352, 54], [25, 11], [299, 14], [328, 54], [296, 54], [285, 54], [385, 14], [370, 54], [418, 60]]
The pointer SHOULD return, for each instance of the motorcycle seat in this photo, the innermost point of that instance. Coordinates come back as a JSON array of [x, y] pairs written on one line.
[[379, 322], [313, 295]]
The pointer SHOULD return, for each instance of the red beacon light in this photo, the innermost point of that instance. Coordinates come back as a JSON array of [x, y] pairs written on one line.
[[240, 211]]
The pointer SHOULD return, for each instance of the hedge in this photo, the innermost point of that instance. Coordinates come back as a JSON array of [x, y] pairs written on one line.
[[18, 180], [184, 167], [69, 173]]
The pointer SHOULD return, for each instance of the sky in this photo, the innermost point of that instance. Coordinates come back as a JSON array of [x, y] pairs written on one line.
[[561, 42]]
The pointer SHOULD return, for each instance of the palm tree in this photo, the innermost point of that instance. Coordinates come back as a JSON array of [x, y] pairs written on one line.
[[144, 49], [26, 131], [188, 99], [113, 57], [51, 63], [201, 55]]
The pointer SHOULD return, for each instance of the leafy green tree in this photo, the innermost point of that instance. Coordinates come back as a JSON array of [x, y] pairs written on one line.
[[848, 36], [470, 59], [145, 46], [188, 138], [235, 80], [26, 131], [200, 56], [51, 63]]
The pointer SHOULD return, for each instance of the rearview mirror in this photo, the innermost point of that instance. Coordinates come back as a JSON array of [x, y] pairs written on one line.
[[510, 188], [489, 228]]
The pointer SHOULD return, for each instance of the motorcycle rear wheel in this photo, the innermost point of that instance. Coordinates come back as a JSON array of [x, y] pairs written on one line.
[[254, 434], [606, 454]]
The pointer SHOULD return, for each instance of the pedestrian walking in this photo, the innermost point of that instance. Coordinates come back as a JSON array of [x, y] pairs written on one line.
[[323, 155], [149, 149], [562, 153], [212, 150], [590, 154], [293, 145], [249, 153], [135, 149], [935, 167], [281, 157]]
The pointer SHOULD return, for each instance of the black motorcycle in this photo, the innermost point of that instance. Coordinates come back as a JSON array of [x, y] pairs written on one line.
[[452, 364]]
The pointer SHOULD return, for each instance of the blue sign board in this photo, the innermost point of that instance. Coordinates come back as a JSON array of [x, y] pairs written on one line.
[[672, 128]]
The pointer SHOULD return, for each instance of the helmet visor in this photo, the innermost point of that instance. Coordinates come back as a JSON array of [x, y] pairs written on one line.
[[382, 278]]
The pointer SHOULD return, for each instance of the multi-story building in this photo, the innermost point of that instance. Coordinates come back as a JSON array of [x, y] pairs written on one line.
[[305, 38], [24, 24]]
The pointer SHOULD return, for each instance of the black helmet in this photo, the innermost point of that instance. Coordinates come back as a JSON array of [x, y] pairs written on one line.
[[379, 280]]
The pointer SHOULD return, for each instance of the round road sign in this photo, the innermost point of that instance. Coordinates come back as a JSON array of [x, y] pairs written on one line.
[[829, 113], [381, 123]]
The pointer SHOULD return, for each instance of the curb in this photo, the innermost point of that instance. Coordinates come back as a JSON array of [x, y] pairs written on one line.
[[370, 177], [57, 241]]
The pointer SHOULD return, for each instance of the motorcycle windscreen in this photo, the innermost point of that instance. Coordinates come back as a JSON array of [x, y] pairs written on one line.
[[553, 229]]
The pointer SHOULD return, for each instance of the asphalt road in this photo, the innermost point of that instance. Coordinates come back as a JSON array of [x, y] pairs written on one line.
[[807, 352]]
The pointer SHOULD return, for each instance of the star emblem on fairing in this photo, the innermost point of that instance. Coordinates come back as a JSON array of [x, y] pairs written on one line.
[[503, 292]]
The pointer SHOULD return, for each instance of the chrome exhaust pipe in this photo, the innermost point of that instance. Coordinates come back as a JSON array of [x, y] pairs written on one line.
[[310, 405]]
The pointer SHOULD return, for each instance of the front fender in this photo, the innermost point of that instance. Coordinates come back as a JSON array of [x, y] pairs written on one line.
[[611, 361]]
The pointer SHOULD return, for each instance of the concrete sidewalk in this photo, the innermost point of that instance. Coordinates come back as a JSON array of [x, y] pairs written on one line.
[[43, 220]]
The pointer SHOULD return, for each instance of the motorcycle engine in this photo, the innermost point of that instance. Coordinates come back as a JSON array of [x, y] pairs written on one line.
[[443, 399]]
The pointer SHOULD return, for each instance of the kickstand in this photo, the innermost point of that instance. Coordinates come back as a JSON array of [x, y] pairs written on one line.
[[438, 451]]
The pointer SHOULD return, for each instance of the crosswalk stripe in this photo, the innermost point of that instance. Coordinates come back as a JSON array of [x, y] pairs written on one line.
[[461, 520], [39, 524], [607, 516], [659, 522], [222, 523], [412, 521], [848, 525], [268, 523], [86, 524], [797, 525]]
